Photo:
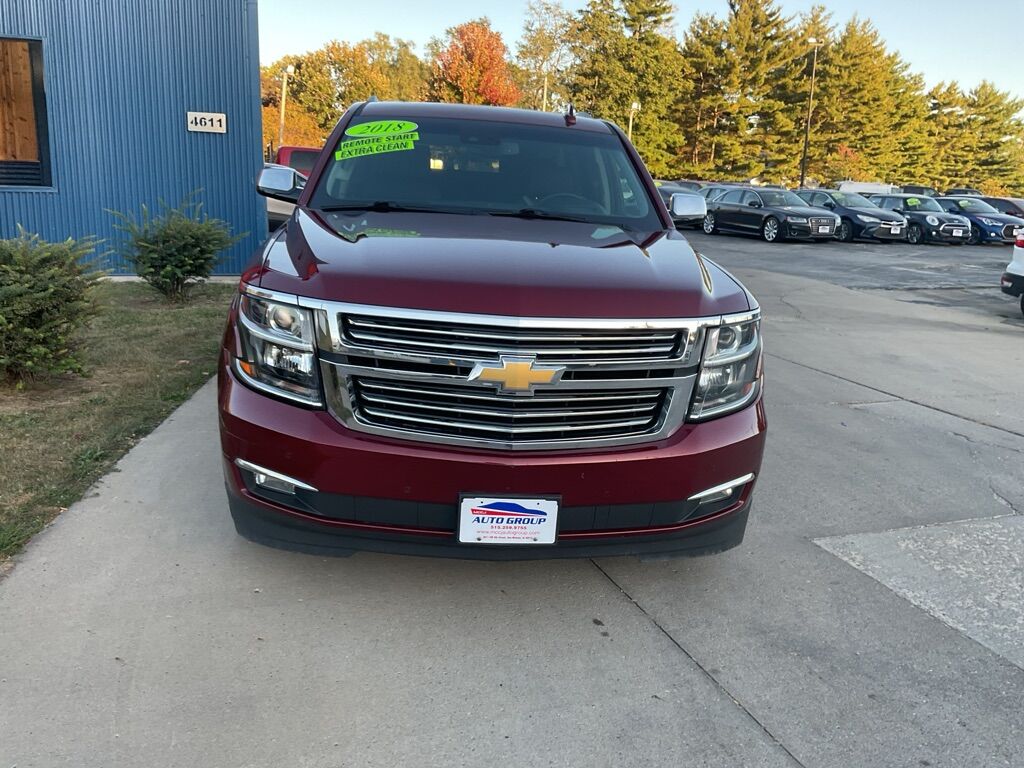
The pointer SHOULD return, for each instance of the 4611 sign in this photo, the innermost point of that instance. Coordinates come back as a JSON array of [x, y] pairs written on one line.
[[207, 122]]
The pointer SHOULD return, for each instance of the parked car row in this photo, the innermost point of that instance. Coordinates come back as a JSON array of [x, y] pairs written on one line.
[[833, 214]]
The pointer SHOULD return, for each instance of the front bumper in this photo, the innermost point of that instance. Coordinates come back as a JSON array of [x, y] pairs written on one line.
[[805, 231], [388, 495], [1001, 235], [945, 234], [1012, 284], [882, 232]]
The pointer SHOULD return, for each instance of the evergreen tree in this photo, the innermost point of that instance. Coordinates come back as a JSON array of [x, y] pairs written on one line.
[[623, 56], [949, 135], [762, 49], [857, 105], [702, 108]]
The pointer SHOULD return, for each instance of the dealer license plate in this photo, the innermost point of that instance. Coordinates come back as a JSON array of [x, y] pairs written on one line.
[[958, 233], [824, 230], [507, 520]]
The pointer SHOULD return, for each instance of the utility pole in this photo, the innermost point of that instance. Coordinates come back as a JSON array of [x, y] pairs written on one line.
[[289, 70], [633, 109], [810, 106]]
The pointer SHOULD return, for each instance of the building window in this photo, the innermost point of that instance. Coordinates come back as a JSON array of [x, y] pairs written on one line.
[[24, 145]]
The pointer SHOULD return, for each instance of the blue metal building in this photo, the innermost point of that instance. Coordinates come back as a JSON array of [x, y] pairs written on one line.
[[95, 97]]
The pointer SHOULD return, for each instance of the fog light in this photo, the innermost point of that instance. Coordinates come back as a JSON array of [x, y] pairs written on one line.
[[723, 491], [273, 481]]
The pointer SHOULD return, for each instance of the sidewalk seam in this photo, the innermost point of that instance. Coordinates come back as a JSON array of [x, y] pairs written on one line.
[[714, 680]]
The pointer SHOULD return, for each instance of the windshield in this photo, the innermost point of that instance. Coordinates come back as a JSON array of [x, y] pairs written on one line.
[[473, 166], [971, 205], [772, 197], [852, 200], [921, 204]]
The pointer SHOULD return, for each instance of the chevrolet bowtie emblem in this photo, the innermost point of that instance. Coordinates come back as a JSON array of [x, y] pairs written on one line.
[[518, 375]]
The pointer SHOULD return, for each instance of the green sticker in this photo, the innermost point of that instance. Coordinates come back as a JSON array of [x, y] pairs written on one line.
[[378, 137], [912, 201], [381, 128]]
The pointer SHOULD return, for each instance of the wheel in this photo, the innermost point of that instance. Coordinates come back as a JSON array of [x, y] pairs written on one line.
[[770, 230], [914, 234], [845, 232], [709, 225], [975, 236]]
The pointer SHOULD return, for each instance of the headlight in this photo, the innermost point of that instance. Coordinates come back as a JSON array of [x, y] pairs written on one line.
[[797, 219], [989, 222], [730, 371], [869, 219], [277, 354], [932, 220]]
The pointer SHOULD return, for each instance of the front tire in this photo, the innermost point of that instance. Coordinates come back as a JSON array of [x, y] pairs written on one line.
[[915, 234], [845, 232], [771, 230], [975, 237], [709, 225]]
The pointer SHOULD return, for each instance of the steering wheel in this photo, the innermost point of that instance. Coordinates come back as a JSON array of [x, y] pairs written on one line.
[[575, 203]]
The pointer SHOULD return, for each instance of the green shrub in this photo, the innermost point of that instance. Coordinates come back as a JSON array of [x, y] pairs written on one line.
[[44, 299], [175, 249]]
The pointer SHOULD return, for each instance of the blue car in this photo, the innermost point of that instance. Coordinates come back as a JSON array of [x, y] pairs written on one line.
[[988, 225]]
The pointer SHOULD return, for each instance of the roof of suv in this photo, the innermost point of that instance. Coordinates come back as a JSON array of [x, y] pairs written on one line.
[[479, 112]]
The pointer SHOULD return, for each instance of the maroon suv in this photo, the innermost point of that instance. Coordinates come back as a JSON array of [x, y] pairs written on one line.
[[480, 336]]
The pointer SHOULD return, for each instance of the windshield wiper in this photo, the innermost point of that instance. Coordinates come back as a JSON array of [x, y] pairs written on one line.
[[387, 206], [536, 213]]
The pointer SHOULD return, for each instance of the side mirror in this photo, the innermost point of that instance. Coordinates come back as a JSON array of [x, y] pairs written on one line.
[[829, 204], [754, 203], [898, 209], [280, 183], [688, 206]]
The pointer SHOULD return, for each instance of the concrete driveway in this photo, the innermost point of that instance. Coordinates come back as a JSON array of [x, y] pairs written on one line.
[[874, 616]]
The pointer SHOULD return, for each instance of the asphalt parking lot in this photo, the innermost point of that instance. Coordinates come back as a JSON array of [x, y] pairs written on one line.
[[872, 617]]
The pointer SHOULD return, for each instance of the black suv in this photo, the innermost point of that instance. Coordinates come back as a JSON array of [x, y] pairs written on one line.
[[774, 214], [928, 223], [859, 217]]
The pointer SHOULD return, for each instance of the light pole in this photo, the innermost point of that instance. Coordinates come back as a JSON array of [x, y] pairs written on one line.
[[810, 106], [289, 70], [633, 109]]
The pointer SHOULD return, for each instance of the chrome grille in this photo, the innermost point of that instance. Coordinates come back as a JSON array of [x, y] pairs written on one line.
[[477, 412], [822, 221], [418, 375], [948, 228], [1010, 231], [445, 339]]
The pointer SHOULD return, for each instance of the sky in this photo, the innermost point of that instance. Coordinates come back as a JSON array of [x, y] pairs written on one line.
[[942, 39]]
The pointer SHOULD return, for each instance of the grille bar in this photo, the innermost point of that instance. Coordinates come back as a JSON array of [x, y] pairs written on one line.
[[472, 410], [547, 344], [587, 397]]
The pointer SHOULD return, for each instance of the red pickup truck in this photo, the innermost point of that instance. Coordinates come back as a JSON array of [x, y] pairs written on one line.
[[481, 336]]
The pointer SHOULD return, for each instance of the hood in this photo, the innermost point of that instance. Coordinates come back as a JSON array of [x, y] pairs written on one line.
[[800, 210], [491, 265], [1002, 218], [942, 216], [879, 213]]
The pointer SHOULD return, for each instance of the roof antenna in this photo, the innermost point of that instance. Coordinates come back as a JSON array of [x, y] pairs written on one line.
[[570, 116], [373, 97]]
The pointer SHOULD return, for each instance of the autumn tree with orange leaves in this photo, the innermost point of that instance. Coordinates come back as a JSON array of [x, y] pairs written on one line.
[[470, 66]]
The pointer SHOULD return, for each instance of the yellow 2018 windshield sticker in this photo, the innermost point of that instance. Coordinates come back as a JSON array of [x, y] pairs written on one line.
[[376, 138]]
